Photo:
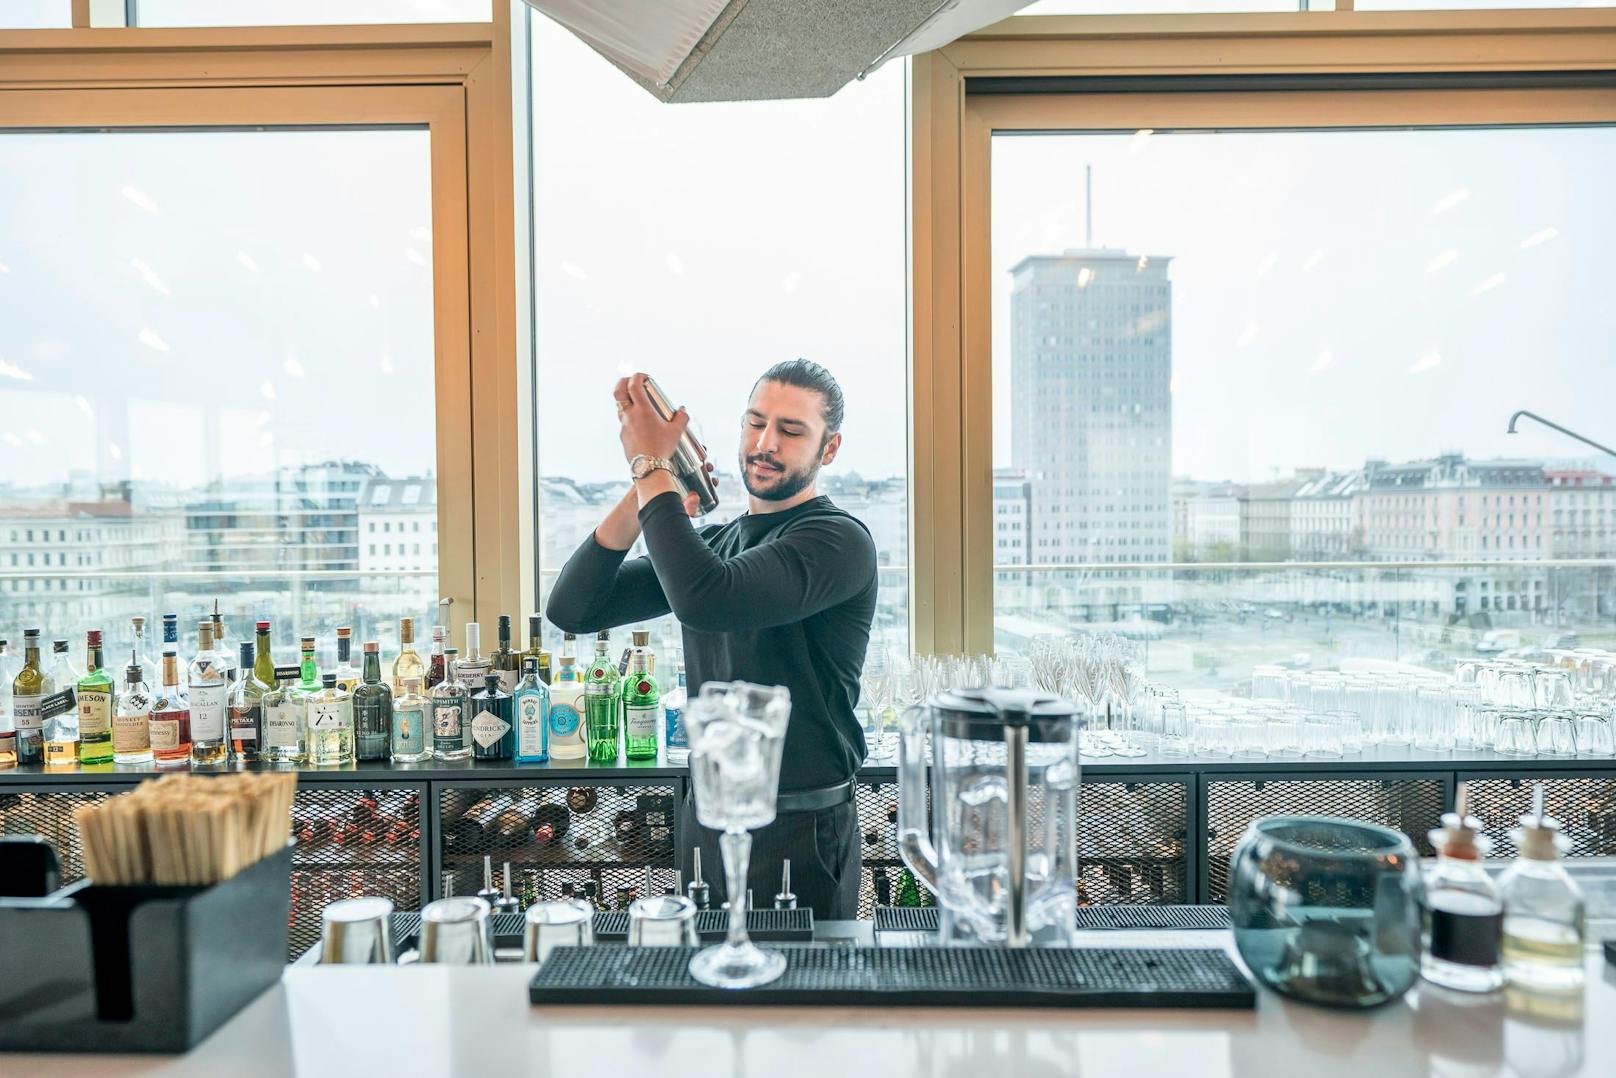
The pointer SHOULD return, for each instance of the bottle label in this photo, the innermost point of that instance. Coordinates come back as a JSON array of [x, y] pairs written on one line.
[[446, 720], [207, 711], [674, 720], [165, 734], [409, 731], [95, 711], [507, 680], [59, 753], [244, 724], [57, 703], [131, 731], [487, 728], [564, 719], [530, 725], [26, 711], [640, 722], [281, 725], [328, 716]]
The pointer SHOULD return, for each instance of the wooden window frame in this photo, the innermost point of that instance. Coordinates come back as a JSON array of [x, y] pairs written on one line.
[[454, 80], [951, 134]]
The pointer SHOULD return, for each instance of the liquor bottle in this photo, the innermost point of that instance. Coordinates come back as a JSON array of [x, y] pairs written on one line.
[[1464, 915], [503, 661], [409, 741], [677, 745], [171, 715], [171, 631], [568, 733], [331, 724], [531, 705], [1545, 914], [60, 730], [131, 723], [476, 826], [493, 737], [308, 674], [263, 664], [150, 671], [582, 799], [96, 695], [437, 667], [8, 724], [535, 647], [284, 709], [26, 690], [208, 685], [569, 646], [347, 673], [220, 646], [247, 707], [908, 890], [449, 721], [470, 668], [372, 708], [550, 824], [408, 664], [512, 826], [602, 702], [642, 704], [63, 674]]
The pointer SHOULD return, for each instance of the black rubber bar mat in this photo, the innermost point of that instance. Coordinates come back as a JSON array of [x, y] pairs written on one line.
[[769, 925], [924, 918], [926, 977]]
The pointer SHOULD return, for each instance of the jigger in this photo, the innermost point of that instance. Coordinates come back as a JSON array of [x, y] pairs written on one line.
[[568, 923], [457, 932], [664, 921], [357, 931]]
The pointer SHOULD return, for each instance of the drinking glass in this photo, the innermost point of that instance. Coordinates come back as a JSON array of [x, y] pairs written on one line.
[[1268, 683], [872, 693], [735, 743], [1284, 734], [1246, 737], [1433, 719], [1211, 736], [1557, 734], [1349, 728], [1175, 729], [1393, 704], [1516, 734], [1552, 690], [1594, 735]]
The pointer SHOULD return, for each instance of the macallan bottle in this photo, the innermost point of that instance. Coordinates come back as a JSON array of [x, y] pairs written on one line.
[[171, 716], [131, 723], [208, 685]]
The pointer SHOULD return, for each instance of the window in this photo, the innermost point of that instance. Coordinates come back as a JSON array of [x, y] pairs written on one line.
[[35, 14], [305, 12], [704, 243]]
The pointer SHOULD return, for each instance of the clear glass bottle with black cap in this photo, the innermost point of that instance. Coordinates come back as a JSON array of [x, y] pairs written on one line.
[[208, 686], [450, 722], [331, 725], [131, 722], [411, 743], [247, 707], [472, 665], [347, 673], [373, 708], [504, 661]]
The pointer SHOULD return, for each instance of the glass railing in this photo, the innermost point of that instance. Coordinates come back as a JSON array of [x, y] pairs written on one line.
[[1205, 626]]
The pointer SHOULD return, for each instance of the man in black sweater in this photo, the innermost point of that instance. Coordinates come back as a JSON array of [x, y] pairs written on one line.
[[781, 595]]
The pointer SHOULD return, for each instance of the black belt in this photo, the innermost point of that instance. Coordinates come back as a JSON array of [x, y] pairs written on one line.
[[815, 798]]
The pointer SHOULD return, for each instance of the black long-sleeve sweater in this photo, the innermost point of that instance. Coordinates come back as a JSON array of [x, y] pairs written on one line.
[[781, 598]]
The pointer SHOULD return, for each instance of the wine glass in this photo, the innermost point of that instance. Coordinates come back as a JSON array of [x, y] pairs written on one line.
[[873, 682], [735, 743]]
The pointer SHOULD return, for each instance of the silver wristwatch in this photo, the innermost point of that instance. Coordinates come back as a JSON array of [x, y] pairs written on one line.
[[643, 465]]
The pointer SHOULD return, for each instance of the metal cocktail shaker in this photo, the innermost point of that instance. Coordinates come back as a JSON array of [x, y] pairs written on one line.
[[689, 457]]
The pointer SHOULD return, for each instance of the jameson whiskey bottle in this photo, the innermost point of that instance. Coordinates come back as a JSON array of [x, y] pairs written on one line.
[[373, 708], [535, 647], [331, 725], [492, 735], [408, 664], [131, 722], [642, 705], [27, 688], [347, 675], [449, 741], [504, 659], [95, 698]]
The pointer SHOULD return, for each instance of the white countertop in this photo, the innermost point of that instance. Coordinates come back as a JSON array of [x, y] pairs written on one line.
[[358, 1022]]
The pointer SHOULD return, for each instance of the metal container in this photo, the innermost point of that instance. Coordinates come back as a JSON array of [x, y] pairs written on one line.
[[357, 931], [568, 923], [662, 921], [689, 456], [457, 931]]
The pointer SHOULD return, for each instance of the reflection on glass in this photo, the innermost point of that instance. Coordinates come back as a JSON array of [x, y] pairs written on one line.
[[702, 244], [1226, 418], [218, 371]]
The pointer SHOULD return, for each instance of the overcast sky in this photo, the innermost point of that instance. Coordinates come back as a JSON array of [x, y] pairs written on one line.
[[1336, 295]]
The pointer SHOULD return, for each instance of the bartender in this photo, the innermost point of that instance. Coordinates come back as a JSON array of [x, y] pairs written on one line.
[[782, 595]]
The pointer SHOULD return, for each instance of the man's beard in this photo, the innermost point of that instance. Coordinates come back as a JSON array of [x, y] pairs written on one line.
[[782, 485]]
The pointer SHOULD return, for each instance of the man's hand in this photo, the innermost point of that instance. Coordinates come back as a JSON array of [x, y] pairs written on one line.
[[643, 431]]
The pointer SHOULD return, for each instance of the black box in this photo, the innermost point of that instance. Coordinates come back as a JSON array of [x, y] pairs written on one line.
[[140, 969]]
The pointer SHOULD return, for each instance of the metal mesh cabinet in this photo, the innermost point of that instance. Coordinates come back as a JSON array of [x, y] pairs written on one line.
[[1409, 802], [877, 804], [613, 835], [49, 814], [1131, 839], [353, 840], [1585, 804]]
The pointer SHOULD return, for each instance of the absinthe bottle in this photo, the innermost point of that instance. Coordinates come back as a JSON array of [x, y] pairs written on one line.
[[531, 704], [567, 731], [27, 689]]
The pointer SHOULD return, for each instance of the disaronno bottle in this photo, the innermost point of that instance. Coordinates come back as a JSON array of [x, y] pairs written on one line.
[[285, 736]]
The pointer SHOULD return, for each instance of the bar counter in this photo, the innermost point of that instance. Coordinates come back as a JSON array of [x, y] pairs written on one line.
[[437, 1020]]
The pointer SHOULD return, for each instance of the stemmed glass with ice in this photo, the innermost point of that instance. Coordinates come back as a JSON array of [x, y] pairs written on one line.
[[736, 733]]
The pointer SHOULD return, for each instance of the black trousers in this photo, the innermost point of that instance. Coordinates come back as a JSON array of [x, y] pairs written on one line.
[[823, 847]]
